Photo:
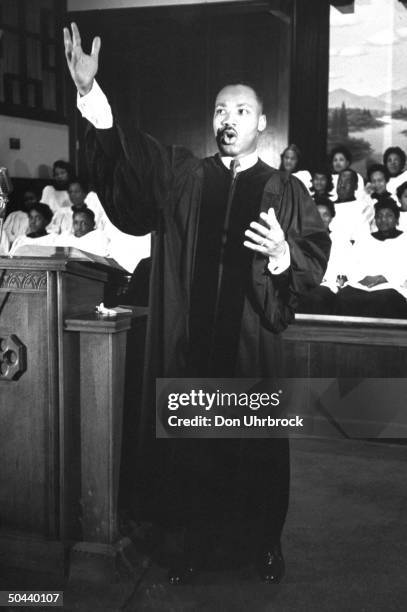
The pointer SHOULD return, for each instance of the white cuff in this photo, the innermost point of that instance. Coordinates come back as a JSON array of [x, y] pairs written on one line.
[[279, 264], [94, 107]]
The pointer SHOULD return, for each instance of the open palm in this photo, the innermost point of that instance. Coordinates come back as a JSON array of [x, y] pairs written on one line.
[[83, 67]]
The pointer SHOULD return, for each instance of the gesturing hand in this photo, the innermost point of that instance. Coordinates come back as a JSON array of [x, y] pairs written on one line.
[[268, 240], [83, 67]]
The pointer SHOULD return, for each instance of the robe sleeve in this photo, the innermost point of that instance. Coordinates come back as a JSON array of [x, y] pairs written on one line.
[[276, 296], [132, 174]]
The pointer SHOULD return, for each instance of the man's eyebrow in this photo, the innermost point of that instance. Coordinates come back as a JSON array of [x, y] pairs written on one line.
[[239, 104]]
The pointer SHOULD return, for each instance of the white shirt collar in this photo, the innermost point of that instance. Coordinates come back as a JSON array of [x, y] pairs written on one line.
[[244, 162]]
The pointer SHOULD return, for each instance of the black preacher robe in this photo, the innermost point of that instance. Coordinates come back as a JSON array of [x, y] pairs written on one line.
[[215, 309]]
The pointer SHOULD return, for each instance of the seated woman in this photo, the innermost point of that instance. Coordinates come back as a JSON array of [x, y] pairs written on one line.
[[16, 223], [353, 214], [321, 300], [39, 217], [291, 163], [377, 179], [394, 159], [85, 236], [340, 159], [401, 193], [322, 185], [56, 194], [378, 270]]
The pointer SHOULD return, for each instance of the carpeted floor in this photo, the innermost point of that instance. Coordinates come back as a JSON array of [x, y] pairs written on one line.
[[345, 545]]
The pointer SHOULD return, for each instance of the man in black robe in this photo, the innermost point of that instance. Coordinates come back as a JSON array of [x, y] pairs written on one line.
[[236, 242]]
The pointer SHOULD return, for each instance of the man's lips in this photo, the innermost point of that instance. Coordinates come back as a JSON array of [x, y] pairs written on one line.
[[227, 135]]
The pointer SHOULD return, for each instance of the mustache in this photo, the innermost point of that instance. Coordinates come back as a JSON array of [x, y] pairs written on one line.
[[226, 130]]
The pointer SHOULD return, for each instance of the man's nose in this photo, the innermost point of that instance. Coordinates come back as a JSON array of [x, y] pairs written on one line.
[[228, 119]]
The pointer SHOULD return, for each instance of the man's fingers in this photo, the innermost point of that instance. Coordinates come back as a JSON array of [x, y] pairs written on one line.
[[269, 241], [255, 237], [270, 218], [95, 47], [68, 44], [264, 231], [67, 37], [255, 247], [76, 37]]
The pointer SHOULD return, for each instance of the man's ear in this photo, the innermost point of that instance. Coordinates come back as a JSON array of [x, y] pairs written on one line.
[[262, 123]]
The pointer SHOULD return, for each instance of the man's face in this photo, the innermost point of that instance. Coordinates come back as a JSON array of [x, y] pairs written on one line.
[[36, 221], [393, 164], [290, 160], [61, 176], [325, 215], [385, 220], [339, 162], [403, 200], [76, 194], [237, 121], [319, 182], [346, 186], [378, 182], [82, 225]]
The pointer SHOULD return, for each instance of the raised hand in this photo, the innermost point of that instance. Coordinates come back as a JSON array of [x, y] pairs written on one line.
[[268, 240], [83, 67]]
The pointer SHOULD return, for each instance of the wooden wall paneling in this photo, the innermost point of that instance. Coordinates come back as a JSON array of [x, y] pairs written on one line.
[[353, 361], [26, 486], [296, 359]]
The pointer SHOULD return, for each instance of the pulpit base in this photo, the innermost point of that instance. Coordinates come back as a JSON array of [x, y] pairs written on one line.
[[31, 552], [105, 563]]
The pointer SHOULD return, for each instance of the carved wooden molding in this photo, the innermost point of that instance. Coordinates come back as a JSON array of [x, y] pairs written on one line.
[[13, 357], [27, 280]]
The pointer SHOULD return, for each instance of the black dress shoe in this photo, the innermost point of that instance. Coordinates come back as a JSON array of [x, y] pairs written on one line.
[[271, 566], [182, 573]]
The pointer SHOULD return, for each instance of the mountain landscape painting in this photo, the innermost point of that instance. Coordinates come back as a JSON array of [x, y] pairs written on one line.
[[368, 79]]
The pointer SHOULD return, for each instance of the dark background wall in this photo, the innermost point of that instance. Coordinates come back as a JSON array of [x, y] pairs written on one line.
[[164, 66], [309, 79]]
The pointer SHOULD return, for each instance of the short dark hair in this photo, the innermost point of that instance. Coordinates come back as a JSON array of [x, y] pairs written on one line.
[[43, 209], [325, 172], [401, 189], [246, 83], [80, 182], [397, 151], [87, 212], [340, 149], [60, 163], [325, 201], [378, 168], [386, 201]]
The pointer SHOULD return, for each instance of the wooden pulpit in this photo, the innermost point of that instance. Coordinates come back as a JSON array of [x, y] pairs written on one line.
[[61, 402]]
